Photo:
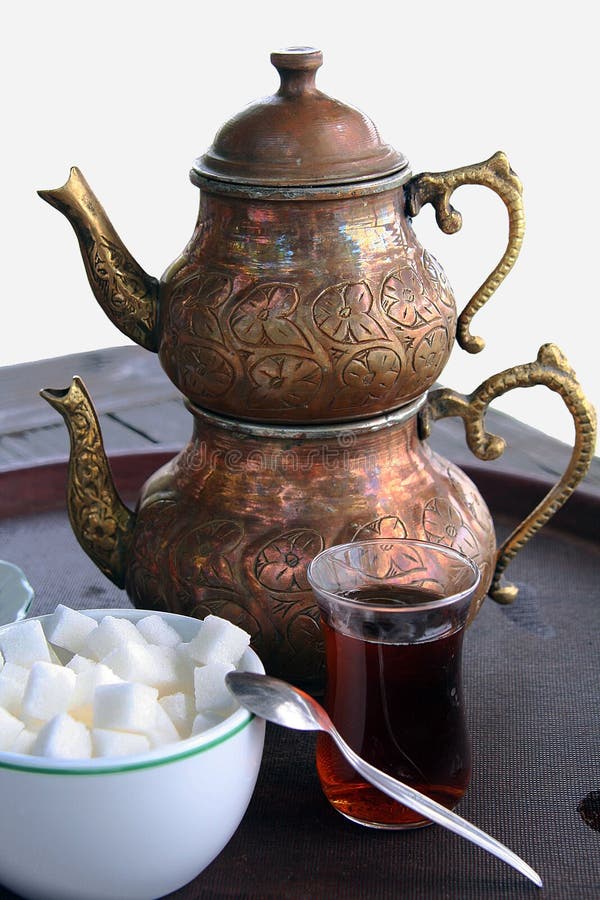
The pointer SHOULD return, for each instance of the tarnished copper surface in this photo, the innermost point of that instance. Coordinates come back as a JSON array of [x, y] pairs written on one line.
[[341, 315], [303, 294], [230, 525], [298, 136]]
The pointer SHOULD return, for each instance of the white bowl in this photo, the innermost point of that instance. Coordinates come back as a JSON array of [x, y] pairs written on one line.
[[135, 828]]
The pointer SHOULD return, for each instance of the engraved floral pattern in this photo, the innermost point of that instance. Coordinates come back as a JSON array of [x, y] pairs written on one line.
[[204, 372], [306, 656], [281, 565], [373, 373], [285, 381], [384, 526], [122, 289], [443, 524], [342, 313], [366, 346], [439, 281], [262, 318], [431, 352], [201, 554], [404, 300], [194, 303]]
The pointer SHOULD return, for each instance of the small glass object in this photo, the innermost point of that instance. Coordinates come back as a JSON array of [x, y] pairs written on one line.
[[393, 614]]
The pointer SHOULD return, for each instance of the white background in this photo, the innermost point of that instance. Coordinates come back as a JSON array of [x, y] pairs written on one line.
[[132, 92]]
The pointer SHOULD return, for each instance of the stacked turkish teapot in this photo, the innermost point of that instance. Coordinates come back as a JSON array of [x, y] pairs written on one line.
[[304, 324]]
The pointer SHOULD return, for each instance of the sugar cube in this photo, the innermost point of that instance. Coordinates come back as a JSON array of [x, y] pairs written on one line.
[[210, 690], [118, 743], [13, 679], [166, 676], [219, 641], [20, 674], [156, 631], [132, 662], [205, 720], [87, 680], [125, 707], [24, 741], [10, 728], [181, 709], [25, 643], [112, 688], [63, 738], [163, 730], [69, 629], [110, 634], [49, 690], [185, 668], [81, 664]]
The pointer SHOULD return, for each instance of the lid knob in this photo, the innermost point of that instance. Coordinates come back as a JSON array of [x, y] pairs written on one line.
[[297, 67]]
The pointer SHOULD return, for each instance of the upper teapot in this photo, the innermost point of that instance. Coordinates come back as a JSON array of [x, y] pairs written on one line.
[[303, 294]]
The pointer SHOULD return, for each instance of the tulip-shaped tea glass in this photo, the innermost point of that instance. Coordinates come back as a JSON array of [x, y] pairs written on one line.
[[393, 614]]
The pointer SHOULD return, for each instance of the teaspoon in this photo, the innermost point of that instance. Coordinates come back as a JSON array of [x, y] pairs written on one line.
[[281, 703]]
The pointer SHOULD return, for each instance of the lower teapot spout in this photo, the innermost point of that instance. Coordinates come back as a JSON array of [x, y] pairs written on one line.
[[101, 522]]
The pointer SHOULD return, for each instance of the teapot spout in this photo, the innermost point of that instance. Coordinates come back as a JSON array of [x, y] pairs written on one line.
[[101, 522], [126, 293]]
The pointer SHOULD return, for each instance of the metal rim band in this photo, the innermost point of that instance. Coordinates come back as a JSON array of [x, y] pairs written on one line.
[[307, 432], [281, 192]]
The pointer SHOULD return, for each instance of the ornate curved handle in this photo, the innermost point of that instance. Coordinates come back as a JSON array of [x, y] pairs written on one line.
[[437, 188], [552, 370]]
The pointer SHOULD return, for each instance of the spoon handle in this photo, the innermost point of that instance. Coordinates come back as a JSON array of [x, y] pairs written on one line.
[[433, 810]]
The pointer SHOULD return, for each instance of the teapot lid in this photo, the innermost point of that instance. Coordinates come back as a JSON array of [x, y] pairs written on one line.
[[299, 136]]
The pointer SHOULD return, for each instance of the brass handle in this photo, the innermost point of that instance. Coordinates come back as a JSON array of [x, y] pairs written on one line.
[[552, 370], [437, 188]]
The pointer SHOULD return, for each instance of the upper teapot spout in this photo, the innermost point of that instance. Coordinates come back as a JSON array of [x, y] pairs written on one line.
[[126, 293]]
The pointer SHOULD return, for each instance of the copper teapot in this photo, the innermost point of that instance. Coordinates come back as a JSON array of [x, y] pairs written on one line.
[[304, 324]]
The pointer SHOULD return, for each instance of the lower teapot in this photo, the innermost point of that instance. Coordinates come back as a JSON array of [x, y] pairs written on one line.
[[230, 524]]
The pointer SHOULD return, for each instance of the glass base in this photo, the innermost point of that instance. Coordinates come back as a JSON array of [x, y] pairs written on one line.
[[384, 826]]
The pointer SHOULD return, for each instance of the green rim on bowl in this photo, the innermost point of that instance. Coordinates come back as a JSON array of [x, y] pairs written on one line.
[[174, 752], [126, 767]]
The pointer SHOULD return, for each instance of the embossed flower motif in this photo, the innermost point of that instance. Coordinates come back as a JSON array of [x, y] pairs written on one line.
[[204, 557], [285, 381], [342, 313], [262, 317], [204, 373], [443, 524], [99, 528], [194, 301], [439, 280], [431, 352], [372, 373], [281, 565], [383, 527], [404, 299]]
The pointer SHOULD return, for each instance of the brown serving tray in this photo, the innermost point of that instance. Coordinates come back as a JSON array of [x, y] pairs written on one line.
[[532, 682]]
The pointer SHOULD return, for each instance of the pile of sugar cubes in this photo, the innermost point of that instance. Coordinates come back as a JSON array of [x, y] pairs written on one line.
[[86, 688]]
